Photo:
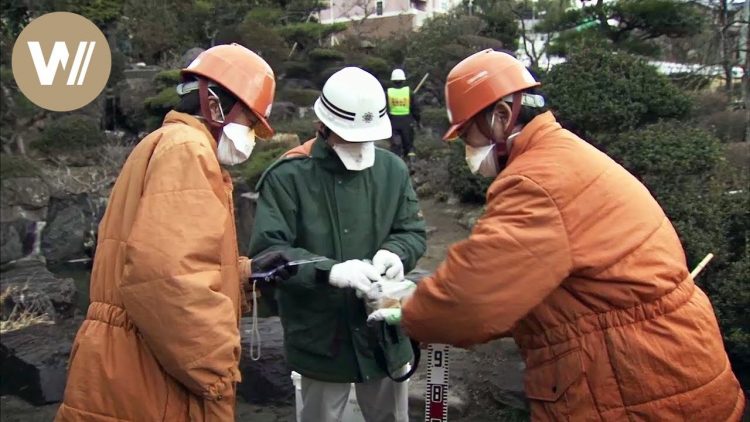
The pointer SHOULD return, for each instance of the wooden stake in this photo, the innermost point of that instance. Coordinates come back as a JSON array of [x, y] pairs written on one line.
[[701, 265], [419, 85]]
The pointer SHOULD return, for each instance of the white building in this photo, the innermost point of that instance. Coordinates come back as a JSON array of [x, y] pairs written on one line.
[[382, 18]]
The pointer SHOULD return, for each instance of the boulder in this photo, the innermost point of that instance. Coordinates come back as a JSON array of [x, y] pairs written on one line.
[[284, 110], [267, 380], [469, 219], [189, 56], [12, 237], [71, 227], [34, 361], [29, 285], [245, 202], [28, 192]]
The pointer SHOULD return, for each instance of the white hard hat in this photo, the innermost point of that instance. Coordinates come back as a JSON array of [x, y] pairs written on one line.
[[352, 105], [398, 75]]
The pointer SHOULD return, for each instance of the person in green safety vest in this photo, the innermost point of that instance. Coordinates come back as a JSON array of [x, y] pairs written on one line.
[[404, 113]]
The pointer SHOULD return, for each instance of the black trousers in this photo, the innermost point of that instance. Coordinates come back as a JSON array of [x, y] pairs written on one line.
[[402, 140]]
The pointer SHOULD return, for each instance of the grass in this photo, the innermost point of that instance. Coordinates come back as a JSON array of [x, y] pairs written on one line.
[[25, 312]]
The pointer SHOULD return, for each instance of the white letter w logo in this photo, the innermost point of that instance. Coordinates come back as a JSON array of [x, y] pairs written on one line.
[[47, 70]]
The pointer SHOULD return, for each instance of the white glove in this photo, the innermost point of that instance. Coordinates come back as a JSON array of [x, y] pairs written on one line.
[[354, 273], [388, 263], [391, 316], [386, 289]]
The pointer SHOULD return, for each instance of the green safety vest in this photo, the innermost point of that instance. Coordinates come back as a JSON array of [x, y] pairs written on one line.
[[398, 101]]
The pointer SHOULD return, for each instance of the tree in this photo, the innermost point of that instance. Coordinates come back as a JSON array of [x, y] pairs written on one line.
[[604, 93], [442, 42], [629, 25], [499, 20]]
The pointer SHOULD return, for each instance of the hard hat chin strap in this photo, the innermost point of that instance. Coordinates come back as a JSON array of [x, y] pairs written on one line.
[[514, 112], [215, 127]]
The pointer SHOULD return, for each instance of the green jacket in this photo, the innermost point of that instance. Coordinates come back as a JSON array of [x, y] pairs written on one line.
[[311, 206]]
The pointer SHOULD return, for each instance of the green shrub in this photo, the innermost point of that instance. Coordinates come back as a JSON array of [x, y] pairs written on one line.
[[169, 77], [429, 145], [300, 97], [468, 187], [601, 92], [436, 119], [161, 103], [297, 70], [252, 169], [303, 128], [17, 166], [69, 133], [307, 34], [265, 16], [708, 205], [727, 125], [669, 150], [325, 54], [377, 66]]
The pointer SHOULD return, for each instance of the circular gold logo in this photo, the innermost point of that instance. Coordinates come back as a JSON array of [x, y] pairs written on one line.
[[61, 61]]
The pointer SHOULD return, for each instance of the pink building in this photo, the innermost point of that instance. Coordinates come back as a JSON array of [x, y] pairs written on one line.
[[383, 17]]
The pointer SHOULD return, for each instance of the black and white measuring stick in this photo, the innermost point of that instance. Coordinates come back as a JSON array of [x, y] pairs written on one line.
[[436, 392]]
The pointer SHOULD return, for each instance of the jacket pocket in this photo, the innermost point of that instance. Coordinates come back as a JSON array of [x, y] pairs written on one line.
[[314, 332], [550, 380], [558, 389]]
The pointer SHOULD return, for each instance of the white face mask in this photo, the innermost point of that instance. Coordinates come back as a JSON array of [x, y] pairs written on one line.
[[236, 144], [356, 156], [482, 160]]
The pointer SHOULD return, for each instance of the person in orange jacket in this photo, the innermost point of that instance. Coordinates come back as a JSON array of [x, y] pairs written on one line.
[[576, 260], [161, 338]]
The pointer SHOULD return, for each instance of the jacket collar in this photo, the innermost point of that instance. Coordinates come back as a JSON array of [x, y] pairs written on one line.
[[532, 133], [327, 157], [186, 119]]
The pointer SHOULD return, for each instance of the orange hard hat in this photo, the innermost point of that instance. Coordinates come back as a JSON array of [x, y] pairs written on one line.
[[480, 80], [243, 73]]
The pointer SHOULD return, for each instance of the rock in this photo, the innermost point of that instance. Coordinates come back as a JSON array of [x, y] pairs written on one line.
[[29, 285], [34, 361], [94, 180], [71, 227], [284, 110], [302, 112], [189, 56], [452, 200], [12, 236], [293, 83], [25, 192], [16, 409], [430, 230], [267, 380], [425, 189], [245, 202], [470, 218]]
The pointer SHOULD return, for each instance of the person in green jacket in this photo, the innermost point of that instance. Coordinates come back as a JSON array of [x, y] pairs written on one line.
[[340, 197]]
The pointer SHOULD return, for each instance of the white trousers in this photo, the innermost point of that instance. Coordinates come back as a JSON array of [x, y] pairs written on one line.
[[380, 401]]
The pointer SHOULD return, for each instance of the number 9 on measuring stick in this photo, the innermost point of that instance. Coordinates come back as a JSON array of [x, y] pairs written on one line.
[[436, 393]]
